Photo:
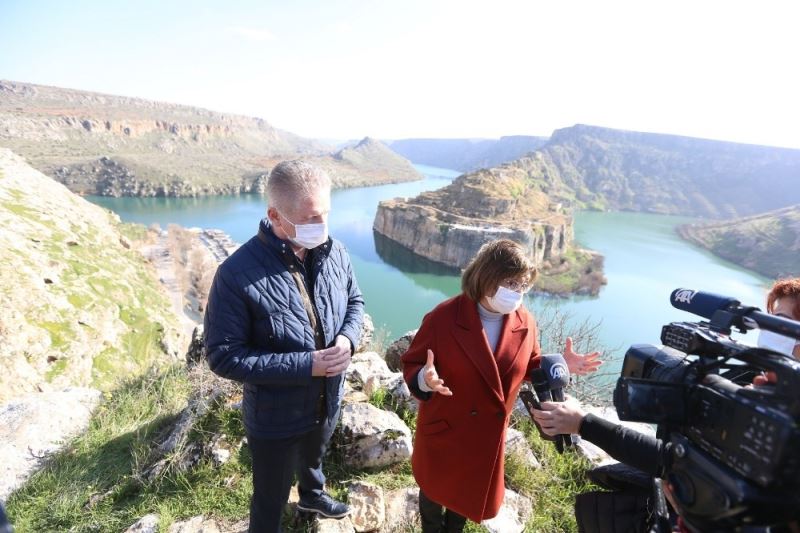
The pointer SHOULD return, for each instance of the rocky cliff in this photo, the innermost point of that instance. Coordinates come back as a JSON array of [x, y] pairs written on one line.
[[119, 146], [604, 168], [79, 306], [768, 243], [449, 225]]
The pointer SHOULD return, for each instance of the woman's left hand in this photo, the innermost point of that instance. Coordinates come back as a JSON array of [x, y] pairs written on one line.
[[580, 364]]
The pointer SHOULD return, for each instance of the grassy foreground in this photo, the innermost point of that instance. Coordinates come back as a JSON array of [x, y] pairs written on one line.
[[98, 484]]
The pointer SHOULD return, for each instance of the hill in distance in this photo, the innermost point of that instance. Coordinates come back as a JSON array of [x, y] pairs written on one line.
[[119, 146], [467, 154], [591, 167], [768, 243], [620, 170]]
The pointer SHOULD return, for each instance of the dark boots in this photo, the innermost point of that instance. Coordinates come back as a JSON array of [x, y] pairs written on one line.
[[434, 520]]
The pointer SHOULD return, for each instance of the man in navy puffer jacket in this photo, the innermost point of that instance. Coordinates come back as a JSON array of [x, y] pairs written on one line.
[[284, 315]]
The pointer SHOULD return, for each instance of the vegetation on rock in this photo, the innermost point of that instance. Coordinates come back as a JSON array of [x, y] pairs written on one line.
[[768, 243], [118, 146], [80, 305]]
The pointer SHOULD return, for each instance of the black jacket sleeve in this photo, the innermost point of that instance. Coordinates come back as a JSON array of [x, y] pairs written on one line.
[[626, 445]]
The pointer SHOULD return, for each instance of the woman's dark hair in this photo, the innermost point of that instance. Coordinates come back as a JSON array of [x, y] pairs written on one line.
[[494, 263]]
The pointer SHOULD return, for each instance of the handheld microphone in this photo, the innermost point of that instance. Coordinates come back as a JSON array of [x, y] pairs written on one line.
[[540, 385], [533, 399], [557, 374]]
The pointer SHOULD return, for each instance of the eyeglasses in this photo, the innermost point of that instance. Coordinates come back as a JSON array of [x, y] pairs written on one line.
[[516, 285]]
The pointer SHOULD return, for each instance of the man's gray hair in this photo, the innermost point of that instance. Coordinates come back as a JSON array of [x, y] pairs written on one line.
[[291, 181]]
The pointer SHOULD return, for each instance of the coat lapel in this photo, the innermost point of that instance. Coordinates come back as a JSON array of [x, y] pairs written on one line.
[[511, 344], [470, 336]]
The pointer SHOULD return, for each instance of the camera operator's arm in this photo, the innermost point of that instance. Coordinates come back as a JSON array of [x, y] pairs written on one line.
[[644, 452]]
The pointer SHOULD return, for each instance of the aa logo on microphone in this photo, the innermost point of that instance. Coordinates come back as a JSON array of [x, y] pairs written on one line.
[[559, 371], [684, 296]]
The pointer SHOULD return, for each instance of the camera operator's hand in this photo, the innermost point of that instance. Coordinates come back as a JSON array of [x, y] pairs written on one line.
[[560, 418], [765, 378], [580, 364]]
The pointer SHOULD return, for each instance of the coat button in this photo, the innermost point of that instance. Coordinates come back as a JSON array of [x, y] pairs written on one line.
[[501, 415], [473, 413]]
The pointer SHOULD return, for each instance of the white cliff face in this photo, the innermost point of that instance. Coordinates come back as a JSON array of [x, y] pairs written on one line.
[[453, 241], [79, 307], [36, 425]]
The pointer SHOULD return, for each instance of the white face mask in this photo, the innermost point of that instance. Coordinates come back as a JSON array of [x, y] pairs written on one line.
[[776, 342], [308, 235], [505, 300]]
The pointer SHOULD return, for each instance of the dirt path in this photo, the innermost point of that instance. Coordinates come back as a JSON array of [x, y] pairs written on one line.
[[159, 255], [216, 242]]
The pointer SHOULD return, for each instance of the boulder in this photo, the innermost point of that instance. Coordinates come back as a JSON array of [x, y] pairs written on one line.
[[514, 513], [367, 332], [196, 353], [397, 349], [517, 444], [364, 365], [146, 524], [372, 437], [367, 507], [37, 425], [402, 510], [196, 524], [354, 396], [395, 385], [334, 525]]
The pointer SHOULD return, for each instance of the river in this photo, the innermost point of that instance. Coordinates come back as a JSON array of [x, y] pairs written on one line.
[[644, 260]]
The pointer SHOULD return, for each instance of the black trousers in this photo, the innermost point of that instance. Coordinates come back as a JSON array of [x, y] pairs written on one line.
[[434, 521], [275, 464]]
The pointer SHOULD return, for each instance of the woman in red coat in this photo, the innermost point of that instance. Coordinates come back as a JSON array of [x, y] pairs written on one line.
[[466, 365]]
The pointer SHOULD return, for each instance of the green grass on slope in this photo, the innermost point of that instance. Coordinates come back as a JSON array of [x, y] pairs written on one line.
[[95, 484]]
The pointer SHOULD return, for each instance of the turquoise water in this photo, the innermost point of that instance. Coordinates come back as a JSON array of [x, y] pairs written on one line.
[[644, 259]]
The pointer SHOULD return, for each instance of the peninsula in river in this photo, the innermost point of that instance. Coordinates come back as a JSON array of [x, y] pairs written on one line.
[[449, 225]]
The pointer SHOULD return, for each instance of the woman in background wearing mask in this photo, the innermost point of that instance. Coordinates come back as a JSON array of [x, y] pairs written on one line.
[[466, 365], [783, 300]]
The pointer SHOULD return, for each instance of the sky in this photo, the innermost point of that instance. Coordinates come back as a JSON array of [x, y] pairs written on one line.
[[345, 69]]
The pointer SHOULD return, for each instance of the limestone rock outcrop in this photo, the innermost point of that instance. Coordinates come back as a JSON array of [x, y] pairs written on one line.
[[36, 425], [367, 505], [373, 437], [396, 350]]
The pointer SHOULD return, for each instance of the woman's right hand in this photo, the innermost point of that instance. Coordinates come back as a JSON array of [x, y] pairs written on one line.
[[432, 379]]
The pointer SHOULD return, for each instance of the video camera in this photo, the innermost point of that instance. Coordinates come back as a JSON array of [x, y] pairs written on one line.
[[732, 451]]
